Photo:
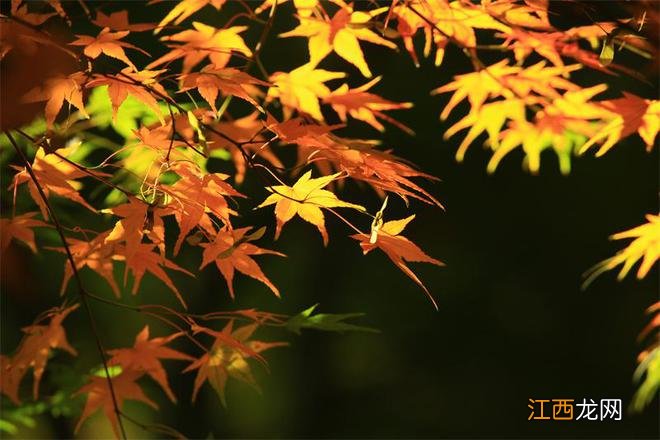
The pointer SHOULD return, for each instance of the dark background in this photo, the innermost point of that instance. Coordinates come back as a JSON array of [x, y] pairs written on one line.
[[513, 323]]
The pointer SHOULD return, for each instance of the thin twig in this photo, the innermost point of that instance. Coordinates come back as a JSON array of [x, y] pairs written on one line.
[[81, 290]]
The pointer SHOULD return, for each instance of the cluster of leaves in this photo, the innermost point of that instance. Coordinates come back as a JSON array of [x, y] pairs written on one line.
[[155, 140], [645, 247]]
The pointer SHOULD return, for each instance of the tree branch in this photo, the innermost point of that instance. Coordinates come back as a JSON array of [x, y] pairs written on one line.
[[81, 290]]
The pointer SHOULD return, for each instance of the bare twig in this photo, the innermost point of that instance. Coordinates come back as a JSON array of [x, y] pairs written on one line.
[[81, 290]]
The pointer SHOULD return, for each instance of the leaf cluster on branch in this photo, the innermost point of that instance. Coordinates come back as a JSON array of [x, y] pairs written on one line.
[[130, 135]]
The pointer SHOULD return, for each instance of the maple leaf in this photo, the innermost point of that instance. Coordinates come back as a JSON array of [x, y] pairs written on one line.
[[302, 88], [489, 117], [444, 22], [500, 79], [137, 217], [228, 358], [359, 160], [19, 228], [57, 90], [630, 114], [397, 247], [210, 81], [232, 251], [120, 87], [365, 106], [143, 259], [55, 176], [118, 21], [532, 14], [145, 356], [196, 194], [9, 380], [204, 41], [95, 254], [244, 130], [36, 347], [185, 9], [305, 198], [562, 125], [645, 246], [340, 34], [158, 139], [108, 43], [19, 9], [100, 396]]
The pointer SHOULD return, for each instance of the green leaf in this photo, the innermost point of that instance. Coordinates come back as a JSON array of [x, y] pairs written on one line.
[[649, 370], [113, 371], [8, 427], [325, 321]]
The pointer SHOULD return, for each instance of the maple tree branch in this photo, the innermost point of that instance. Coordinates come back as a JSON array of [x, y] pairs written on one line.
[[262, 39], [81, 290]]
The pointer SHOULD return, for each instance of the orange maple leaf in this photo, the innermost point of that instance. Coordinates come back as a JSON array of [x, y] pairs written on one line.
[[397, 247], [99, 396], [9, 380], [118, 21], [143, 259], [210, 81], [34, 350], [137, 217], [145, 356], [305, 198], [95, 254], [108, 43], [444, 21], [232, 251], [204, 41], [55, 176], [194, 196], [365, 106], [57, 90], [228, 358], [120, 87], [19, 228], [19, 9]]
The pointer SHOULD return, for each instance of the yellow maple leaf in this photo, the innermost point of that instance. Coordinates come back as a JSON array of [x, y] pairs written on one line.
[[302, 88], [305, 198], [340, 34], [645, 246], [185, 9]]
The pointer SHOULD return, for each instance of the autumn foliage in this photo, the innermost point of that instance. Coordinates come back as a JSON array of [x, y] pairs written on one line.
[[126, 133]]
